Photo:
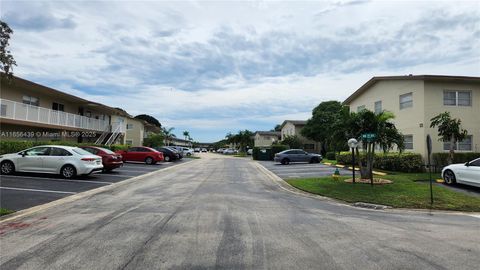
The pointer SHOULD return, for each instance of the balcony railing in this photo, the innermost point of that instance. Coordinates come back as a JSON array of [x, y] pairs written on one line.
[[19, 111]]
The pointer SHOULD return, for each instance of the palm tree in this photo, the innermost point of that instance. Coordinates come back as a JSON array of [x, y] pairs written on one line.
[[386, 136], [168, 134], [186, 134]]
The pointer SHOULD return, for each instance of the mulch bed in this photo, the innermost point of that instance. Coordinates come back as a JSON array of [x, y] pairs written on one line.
[[376, 181]]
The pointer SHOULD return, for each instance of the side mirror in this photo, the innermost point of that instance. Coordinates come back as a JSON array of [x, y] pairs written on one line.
[[23, 154], [467, 164]]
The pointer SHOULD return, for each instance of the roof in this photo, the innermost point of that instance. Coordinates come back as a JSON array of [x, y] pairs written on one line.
[[268, 133], [374, 80], [295, 122]]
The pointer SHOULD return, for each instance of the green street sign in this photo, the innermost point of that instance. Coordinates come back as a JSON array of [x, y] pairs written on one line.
[[369, 137]]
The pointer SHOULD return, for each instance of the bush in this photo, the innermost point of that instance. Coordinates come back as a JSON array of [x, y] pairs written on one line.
[[330, 155], [400, 162], [440, 159], [270, 151], [7, 147]]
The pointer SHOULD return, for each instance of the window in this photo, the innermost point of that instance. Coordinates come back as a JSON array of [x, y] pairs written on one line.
[[58, 107], [408, 141], [406, 101], [38, 151], [465, 145], [475, 163], [378, 107], [129, 142], [457, 98], [3, 110], [30, 100], [360, 108], [59, 152], [91, 150], [129, 126]]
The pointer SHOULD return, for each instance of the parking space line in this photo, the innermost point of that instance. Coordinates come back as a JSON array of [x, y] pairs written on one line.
[[39, 190], [56, 179]]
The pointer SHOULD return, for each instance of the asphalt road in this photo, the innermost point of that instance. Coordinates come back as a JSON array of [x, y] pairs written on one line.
[[224, 212], [302, 170]]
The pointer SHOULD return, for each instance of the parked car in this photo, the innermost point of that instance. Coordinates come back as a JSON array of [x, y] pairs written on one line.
[[196, 150], [204, 150], [220, 150], [296, 155], [229, 151], [110, 159], [169, 154], [55, 159], [464, 173], [250, 151], [187, 151], [141, 154]]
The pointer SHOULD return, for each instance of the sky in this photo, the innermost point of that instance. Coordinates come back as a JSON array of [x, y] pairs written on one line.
[[216, 67]]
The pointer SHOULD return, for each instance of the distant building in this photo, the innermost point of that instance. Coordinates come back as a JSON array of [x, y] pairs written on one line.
[[293, 128], [266, 138], [415, 99]]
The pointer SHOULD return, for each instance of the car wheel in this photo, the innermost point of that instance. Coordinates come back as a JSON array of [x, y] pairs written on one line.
[[189, 154], [68, 171], [149, 161], [285, 161], [314, 160], [449, 177], [7, 167], [167, 159]]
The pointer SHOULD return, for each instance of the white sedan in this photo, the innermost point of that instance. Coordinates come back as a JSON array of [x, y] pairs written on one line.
[[55, 159], [468, 173]]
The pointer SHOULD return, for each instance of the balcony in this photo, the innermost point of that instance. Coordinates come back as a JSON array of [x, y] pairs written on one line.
[[24, 112]]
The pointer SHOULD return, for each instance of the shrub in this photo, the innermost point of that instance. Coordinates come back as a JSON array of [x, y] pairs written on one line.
[[118, 147], [400, 162], [440, 159], [330, 155], [270, 151]]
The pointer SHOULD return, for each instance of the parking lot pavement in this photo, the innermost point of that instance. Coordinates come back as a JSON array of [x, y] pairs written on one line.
[[25, 190], [301, 170]]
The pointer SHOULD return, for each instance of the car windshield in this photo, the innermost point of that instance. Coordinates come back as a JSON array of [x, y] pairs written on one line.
[[80, 151]]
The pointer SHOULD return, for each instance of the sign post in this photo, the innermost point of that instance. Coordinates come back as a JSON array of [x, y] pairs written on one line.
[[429, 151], [353, 143]]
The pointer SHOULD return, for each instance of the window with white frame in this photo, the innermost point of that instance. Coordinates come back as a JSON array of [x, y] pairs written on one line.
[[30, 100], [406, 100], [360, 108], [457, 98], [408, 141], [465, 145], [129, 126], [129, 142], [378, 107]]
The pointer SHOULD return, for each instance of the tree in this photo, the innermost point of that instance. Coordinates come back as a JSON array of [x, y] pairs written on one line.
[[168, 133], [293, 142], [387, 136], [243, 138], [327, 125], [154, 140], [149, 119], [6, 58], [186, 134], [278, 128], [449, 130]]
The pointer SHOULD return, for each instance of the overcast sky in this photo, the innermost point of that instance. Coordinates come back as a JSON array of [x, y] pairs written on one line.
[[217, 67]]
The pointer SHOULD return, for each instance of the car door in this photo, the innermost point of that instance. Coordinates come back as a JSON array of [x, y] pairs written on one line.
[[471, 174], [303, 156], [57, 158], [131, 154], [32, 159]]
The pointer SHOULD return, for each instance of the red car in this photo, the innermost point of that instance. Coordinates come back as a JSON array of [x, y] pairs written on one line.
[[110, 159], [143, 154]]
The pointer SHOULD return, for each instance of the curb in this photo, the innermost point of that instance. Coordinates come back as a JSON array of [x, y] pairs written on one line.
[[358, 205], [78, 196]]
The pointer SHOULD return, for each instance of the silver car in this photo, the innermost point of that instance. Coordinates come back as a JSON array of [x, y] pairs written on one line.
[[56, 159], [296, 155]]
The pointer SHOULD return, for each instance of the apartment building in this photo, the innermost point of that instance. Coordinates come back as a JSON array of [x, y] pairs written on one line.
[[293, 128], [415, 99], [29, 111], [266, 138]]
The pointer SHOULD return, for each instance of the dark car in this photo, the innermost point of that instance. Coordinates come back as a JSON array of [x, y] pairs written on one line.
[[169, 154], [141, 154], [297, 155], [110, 160]]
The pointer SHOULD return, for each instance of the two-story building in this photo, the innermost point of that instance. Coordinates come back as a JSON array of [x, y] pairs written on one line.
[[29, 111], [416, 99], [293, 128], [266, 138]]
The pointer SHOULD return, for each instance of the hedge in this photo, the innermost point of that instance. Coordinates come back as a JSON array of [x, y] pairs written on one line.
[[276, 148], [400, 162], [7, 147], [440, 159], [330, 155]]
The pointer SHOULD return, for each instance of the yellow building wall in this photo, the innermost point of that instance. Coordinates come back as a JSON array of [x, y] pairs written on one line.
[[135, 135]]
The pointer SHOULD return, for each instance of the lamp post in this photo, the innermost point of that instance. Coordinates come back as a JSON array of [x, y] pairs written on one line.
[[353, 143]]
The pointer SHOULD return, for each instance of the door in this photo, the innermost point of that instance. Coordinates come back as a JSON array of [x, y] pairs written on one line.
[[57, 158], [471, 174], [133, 154], [32, 161]]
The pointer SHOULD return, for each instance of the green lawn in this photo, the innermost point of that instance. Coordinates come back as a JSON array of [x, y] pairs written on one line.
[[4, 211], [403, 193], [331, 161]]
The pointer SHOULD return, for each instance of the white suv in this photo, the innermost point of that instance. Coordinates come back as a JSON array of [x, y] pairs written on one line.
[[56, 159]]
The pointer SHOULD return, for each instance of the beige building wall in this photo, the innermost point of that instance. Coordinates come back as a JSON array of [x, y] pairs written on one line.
[[289, 129], [427, 103], [264, 140], [135, 131]]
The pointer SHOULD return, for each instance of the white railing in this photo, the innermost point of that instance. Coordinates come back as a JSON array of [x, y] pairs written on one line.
[[19, 111]]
